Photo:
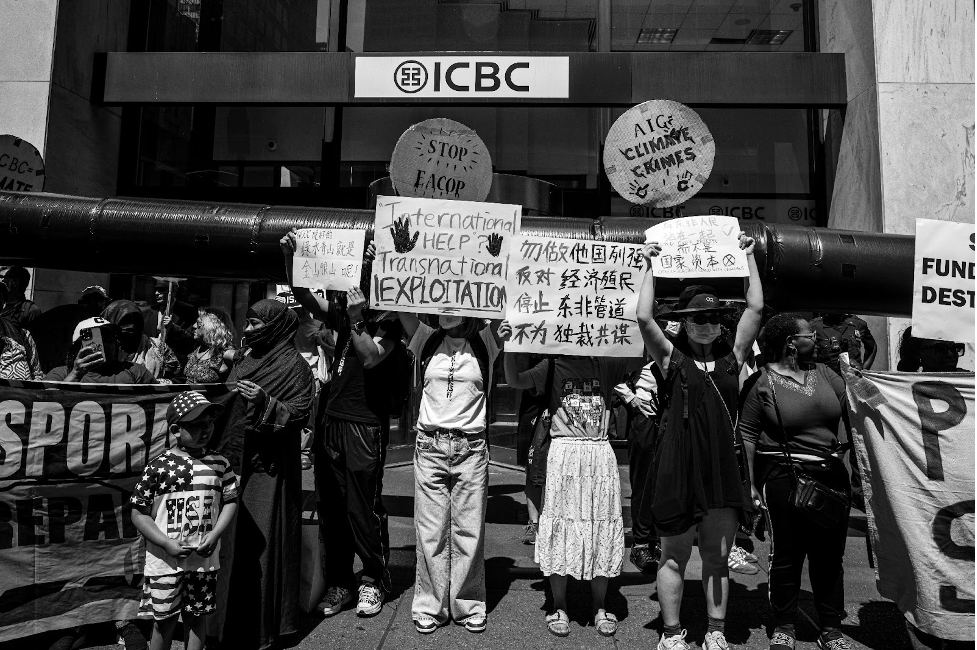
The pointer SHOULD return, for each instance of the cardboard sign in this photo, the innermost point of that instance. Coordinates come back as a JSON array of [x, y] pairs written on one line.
[[441, 159], [568, 296], [914, 435], [21, 166], [659, 153], [698, 247], [437, 257], [328, 258], [943, 281]]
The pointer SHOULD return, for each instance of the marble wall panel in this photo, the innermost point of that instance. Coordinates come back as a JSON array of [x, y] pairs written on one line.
[[926, 136], [27, 38], [23, 110], [856, 199], [925, 42], [83, 146], [846, 26]]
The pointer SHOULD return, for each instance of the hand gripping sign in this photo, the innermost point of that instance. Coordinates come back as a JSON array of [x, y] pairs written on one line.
[[698, 247]]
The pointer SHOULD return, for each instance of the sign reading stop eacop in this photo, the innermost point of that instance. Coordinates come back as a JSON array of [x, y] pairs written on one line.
[[21, 166], [441, 159], [659, 153]]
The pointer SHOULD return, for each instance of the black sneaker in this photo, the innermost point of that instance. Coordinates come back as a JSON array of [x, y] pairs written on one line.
[[644, 558]]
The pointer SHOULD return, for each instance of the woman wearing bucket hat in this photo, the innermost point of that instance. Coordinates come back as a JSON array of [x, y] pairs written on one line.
[[697, 483]]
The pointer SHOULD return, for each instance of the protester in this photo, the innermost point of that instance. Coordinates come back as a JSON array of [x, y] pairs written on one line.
[[792, 422], [277, 383], [840, 337], [208, 362], [697, 482], [18, 353], [95, 299], [16, 305], [451, 468], [529, 435], [928, 355], [85, 364], [136, 346], [349, 464], [182, 560]]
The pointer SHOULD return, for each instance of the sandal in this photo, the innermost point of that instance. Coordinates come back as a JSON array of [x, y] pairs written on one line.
[[606, 623], [558, 623]]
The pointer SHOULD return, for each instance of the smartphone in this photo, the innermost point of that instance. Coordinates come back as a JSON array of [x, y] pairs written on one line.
[[91, 338]]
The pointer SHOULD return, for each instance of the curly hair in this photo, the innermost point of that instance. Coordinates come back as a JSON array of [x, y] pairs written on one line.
[[775, 333], [214, 332]]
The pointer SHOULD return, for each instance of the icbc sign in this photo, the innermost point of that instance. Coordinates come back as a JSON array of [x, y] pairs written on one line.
[[21, 166], [489, 77]]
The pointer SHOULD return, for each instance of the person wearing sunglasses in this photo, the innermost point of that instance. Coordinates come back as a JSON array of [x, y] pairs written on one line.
[[696, 484], [928, 355]]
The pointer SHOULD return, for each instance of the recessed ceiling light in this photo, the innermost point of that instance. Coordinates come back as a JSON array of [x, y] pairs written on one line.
[[768, 36], [656, 35]]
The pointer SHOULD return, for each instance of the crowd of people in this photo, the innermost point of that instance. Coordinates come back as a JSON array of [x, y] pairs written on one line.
[[727, 410]]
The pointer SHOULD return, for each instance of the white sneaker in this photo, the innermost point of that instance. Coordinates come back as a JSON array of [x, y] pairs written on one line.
[[371, 600], [715, 640], [675, 642], [335, 600], [738, 561]]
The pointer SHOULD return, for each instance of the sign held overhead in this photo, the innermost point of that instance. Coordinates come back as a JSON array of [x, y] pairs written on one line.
[[441, 159], [943, 281]]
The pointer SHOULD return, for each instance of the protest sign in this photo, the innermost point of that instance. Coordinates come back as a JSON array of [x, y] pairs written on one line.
[[328, 258], [441, 159], [698, 247], [21, 166], [943, 281], [438, 257], [568, 296], [914, 436], [659, 153], [70, 456]]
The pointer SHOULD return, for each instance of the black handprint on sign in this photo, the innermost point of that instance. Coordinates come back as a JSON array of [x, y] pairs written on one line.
[[494, 244], [403, 242], [639, 190]]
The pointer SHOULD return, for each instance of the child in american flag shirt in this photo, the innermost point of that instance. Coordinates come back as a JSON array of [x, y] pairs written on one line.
[[184, 502]]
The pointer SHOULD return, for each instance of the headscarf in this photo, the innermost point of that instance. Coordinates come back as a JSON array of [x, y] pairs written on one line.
[[152, 353], [121, 310], [281, 323]]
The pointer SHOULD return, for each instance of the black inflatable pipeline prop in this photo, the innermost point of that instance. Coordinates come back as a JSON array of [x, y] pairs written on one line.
[[811, 269]]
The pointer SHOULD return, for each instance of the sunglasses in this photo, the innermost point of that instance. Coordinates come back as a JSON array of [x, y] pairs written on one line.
[[959, 349], [702, 319]]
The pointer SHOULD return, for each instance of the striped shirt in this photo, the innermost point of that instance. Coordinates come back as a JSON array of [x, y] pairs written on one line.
[[185, 496]]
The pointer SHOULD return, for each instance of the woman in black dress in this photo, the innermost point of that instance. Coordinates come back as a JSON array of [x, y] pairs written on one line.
[[696, 482]]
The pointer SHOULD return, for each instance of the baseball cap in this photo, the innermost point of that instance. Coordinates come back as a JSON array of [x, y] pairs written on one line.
[[288, 299], [95, 290], [189, 406], [696, 299], [90, 323]]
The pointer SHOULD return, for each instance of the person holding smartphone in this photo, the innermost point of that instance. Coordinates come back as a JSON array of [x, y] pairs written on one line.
[[93, 358]]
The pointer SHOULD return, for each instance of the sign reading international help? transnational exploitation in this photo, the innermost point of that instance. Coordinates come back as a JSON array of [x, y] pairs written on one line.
[[943, 281], [698, 247]]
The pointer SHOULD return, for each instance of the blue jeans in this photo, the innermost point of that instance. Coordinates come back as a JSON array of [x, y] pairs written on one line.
[[450, 494]]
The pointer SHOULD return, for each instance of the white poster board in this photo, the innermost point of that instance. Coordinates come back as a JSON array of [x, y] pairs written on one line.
[[436, 256], [943, 281], [698, 247], [568, 296], [328, 258]]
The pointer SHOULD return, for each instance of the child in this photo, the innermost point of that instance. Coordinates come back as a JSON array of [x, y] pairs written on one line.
[[184, 502]]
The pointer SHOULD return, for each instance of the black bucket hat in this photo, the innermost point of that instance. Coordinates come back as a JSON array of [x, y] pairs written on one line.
[[698, 299]]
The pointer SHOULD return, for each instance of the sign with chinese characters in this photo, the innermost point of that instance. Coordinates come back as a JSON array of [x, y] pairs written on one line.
[[943, 281], [466, 77], [441, 159], [328, 258], [659, 153], [569, 296], [442, 257], [698, 247]]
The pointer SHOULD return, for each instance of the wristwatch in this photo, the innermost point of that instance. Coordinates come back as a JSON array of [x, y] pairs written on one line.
[[359, 326]]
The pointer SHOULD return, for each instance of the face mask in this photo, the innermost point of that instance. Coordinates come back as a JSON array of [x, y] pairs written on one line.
[[673, 328], [702, 334], [447, 322]]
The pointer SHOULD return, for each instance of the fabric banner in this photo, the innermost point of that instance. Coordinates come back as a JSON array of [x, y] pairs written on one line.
[[576, 297], [943, 281], [698, 247], [914, 435], [436, 256], [70, 456]]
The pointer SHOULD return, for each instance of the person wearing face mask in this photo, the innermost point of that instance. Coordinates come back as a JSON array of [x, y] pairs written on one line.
[[697, 482], [451, 468], [135, 346], [795, 420]]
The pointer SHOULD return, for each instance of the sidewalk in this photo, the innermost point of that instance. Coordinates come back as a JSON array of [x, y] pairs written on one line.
[[517, 595]]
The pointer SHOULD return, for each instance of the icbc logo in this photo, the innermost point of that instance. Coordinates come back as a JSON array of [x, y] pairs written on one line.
[[410, 76], [462, 76]]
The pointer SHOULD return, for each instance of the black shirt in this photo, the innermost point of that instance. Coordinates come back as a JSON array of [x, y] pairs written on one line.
[[356, 393]]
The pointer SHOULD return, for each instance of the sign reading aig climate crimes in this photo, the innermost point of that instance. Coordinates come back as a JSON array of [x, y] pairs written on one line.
[[489, 77], [943, 282]]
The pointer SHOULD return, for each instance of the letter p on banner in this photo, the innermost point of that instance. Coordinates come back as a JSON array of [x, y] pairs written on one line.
[[943, 281]]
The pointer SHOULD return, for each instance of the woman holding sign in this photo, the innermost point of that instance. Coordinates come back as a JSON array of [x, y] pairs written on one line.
[[696, 482]]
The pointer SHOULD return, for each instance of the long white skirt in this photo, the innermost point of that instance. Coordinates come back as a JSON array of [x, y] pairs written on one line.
[[581, 531]]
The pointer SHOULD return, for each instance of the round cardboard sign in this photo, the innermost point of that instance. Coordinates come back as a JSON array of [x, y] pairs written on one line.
[[659, 153], [21, 166], [441, 159]]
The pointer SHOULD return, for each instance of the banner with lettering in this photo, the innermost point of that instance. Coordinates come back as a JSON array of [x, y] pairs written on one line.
[[943, 281], [698, 247], [569, 296], [69, 460], [436, 256], [914, 435], [328, 258]]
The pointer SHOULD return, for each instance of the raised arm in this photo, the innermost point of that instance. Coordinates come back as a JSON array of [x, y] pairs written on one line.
[[513, 376], [318, 307], [749, 325], [656, 343], [370, 350], [410, 321]]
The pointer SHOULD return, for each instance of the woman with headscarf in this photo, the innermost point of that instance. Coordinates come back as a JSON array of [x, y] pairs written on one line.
[[277, 383], [135, 346]]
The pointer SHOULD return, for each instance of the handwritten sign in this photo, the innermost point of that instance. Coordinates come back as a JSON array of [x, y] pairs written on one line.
[[659, 153], [698, 247], [441, 159], [568, 296], [21, 166], [328, 258], [436, 256], [943, 281]]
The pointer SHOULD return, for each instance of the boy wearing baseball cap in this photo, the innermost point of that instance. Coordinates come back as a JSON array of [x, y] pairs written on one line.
[[184, 502]]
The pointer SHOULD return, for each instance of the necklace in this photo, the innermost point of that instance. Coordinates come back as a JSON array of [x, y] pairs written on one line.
[[806, 388]]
